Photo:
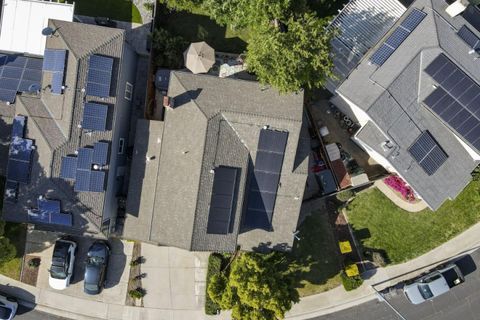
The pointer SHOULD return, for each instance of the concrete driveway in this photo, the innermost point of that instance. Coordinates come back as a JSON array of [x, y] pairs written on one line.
[[41, 244], [175, 278]]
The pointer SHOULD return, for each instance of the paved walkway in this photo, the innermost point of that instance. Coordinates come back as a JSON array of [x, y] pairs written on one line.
[[337, 299], [399, 202]]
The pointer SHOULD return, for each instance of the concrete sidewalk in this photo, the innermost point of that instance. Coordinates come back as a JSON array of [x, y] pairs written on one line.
[[334, 300]]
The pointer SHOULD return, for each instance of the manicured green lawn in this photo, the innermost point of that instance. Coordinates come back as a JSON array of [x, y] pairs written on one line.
[[315, 256], [114, 9], [198, 27], [381, 225], [16, 232]]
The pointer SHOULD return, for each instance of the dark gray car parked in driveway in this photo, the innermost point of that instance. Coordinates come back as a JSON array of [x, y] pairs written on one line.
[[96, 267]]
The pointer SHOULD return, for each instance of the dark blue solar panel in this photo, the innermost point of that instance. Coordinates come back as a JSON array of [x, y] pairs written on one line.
[[18, 127], [222, 201], [99, 76], [12, 72], [35, 64], [97, 181], [37, 216], [95, 116], [57, 83], [16, 61], [64, 219], [7, 95], [428, 154], [264, 181], [54, 60], [48, 205], [21, 149], [30, 74], [469, 37], [457, 100], [82, 180], [413, 19], [3, 59], [100, 153], [9, 84], [11, 191], [18, 171], [85, 158], [397, 37], [68, 169], [28, 86]]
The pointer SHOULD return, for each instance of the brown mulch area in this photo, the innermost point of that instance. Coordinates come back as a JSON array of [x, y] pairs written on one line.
[[29, 274], [134, 271], [342, 232]]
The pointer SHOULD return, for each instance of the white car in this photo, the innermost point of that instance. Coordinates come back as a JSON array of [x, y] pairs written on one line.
[[63, 260], [8, 308]]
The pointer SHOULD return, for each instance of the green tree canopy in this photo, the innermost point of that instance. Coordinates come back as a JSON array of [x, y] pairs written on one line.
[[169, 49], [7, 250], [188, 5], [239, 14], [257, 288], [295, 59]]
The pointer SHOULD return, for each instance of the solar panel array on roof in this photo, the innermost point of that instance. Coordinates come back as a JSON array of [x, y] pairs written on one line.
[[99, 76], [428, 153], [221, 204], [81, 168], [54, 62], [265, 179], [20, 153], [457, 99], [397, 37], [94, 116], [11, 191], [18, 74], [48, 212], [469, 37]]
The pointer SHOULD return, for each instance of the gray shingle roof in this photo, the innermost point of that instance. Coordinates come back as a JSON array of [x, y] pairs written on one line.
[[53, 124], [392, 96], [216, 122]]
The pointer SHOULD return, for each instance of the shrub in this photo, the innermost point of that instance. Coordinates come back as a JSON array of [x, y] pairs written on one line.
[[397, 184], [351, 283], [149, 6], [476, 174], [214, 267], [138, 293], [34, 263], [346, 195]]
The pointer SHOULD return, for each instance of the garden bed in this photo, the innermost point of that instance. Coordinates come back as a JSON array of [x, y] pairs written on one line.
[[30, 270]]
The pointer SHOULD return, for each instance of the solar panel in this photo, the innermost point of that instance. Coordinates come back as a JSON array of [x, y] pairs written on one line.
[[469, 37], [18, 171], [57, 83], [266, 176], [11, 191], [99, 76], [48, 205], [457, 99], [97, 181], [100, 153], [222, 201], [69, 168], [413, 19], [82, 180], [428, 153], [37, 216], [17, 74], [95, 116], [21, 149], [18, 126], [64, 219], [54, 60], [85, 158], [397, 37]]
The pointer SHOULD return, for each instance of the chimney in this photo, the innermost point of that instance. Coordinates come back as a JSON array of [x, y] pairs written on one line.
[[457, 7], [168, 102]]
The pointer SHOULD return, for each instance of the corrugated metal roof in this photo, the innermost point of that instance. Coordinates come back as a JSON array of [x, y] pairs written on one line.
[[361, 24]]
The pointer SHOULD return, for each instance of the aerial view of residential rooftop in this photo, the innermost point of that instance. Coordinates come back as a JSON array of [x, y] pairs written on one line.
[[208, 159]]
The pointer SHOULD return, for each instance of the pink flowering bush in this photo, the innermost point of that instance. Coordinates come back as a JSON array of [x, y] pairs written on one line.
[[397, 184]]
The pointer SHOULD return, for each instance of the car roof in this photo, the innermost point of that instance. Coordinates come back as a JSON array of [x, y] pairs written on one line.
[[92, 274]]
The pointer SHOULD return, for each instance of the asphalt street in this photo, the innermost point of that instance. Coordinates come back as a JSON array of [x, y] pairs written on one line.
[[28, 314], [461, 303]]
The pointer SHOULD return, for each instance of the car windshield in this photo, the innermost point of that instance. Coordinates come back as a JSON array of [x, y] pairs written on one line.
[[425, 291], [58, 272], [5, 313]]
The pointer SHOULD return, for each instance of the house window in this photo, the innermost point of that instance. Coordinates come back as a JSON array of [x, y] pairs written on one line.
[[121, 146], [128, 91]]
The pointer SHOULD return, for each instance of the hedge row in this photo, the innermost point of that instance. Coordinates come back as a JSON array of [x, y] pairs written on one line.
[[214, 266]]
